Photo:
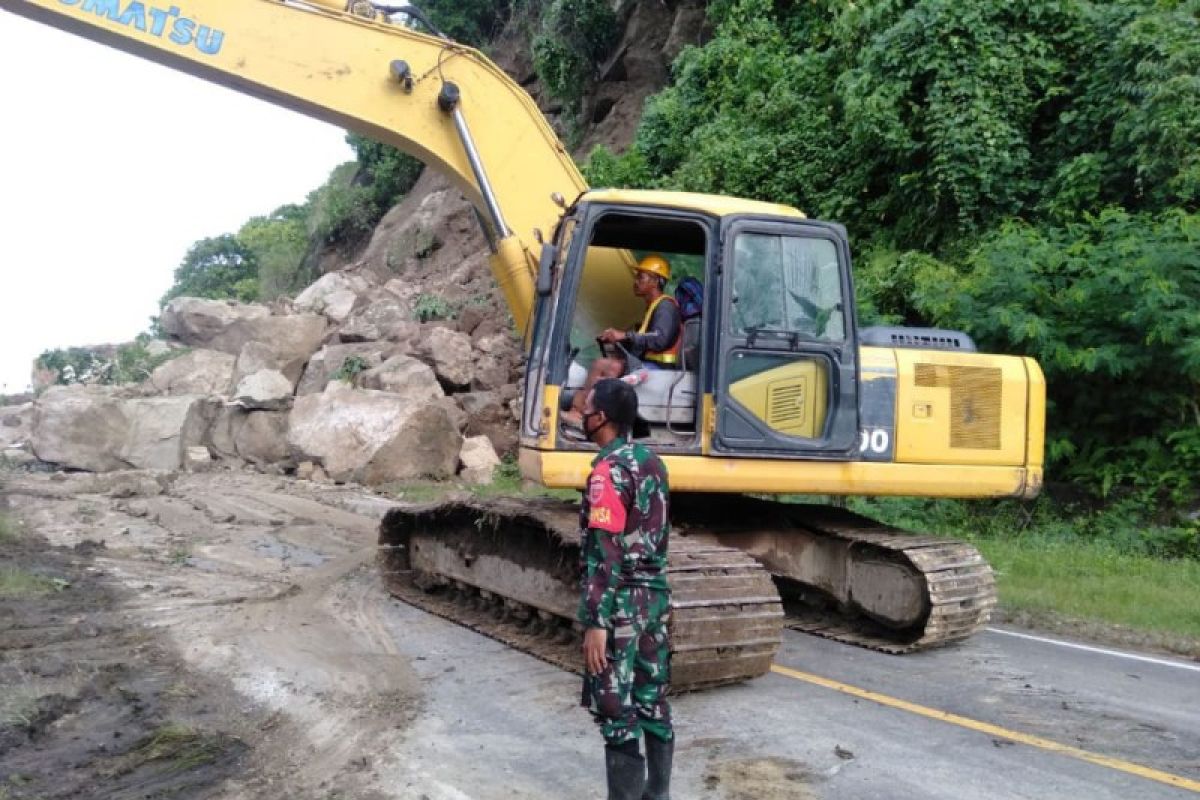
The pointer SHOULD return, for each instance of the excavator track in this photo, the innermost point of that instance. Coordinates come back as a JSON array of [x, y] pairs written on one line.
[[890, 590], [508, 569]]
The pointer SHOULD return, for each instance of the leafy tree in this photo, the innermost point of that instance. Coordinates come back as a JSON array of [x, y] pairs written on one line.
[[1110, 308], [390, 173], [279, 243], [219, 267], [473, 22], [1028, 172]]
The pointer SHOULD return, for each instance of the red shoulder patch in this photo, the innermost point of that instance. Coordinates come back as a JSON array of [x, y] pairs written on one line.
[[606, 510]]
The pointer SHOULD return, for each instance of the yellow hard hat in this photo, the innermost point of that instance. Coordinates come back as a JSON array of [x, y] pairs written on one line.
[[655, 265]]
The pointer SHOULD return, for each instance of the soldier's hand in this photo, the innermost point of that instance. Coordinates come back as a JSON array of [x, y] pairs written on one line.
[[594, 647]]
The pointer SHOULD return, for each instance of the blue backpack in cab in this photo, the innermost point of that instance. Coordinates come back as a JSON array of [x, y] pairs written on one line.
[[690, 297]]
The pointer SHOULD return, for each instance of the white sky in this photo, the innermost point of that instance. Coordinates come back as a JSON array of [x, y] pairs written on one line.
[[110, 168]]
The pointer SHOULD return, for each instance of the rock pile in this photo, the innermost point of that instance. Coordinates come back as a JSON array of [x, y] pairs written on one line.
[[402, 365]]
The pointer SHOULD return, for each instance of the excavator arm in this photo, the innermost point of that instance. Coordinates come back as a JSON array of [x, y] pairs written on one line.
[[437, 100]]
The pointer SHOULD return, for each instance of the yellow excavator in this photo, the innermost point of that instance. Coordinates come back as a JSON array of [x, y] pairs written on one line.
[[778, 391]]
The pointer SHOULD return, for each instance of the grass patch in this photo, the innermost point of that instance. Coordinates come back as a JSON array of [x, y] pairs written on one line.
[[175, 748], [15, 582], [1095, 580], [506, 482], [1079, 565], [8, 530]]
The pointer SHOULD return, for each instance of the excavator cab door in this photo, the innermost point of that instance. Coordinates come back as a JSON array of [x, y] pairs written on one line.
[[787, 362]]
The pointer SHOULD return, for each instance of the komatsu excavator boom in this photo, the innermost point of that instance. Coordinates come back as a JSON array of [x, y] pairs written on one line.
[[777, 390]]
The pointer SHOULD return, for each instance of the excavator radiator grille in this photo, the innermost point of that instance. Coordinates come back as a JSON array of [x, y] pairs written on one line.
[[975, 396], [785, 404]]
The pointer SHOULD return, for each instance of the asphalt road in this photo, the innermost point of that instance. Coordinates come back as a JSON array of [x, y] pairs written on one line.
[[1001, 716]]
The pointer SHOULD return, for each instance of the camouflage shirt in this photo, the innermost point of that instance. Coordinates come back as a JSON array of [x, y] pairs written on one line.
[[625, 526]]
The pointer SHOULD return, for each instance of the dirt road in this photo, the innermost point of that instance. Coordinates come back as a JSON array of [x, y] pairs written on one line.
[[225, 635]]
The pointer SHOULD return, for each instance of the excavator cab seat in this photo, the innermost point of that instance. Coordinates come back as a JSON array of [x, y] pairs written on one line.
[[665, 396]]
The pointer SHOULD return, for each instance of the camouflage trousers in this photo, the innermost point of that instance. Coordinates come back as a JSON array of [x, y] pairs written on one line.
[[630, 695]]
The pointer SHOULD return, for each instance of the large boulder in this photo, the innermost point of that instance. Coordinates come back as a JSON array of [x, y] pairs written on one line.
[[479, 460], [284, 343], [335, 295], [227, 326], [378, 321], [449, 353], [161, 429], [80, 427], [262, 438], [267, 389], [259, 437], [96, 429], [406, 377], [371, 437], [212, 324], [330, 360], [194, 372]]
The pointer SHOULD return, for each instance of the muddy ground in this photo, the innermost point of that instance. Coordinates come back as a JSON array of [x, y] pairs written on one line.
[[195, 637], [225, 635]]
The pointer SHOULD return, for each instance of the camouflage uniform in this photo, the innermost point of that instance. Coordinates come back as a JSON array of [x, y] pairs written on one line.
[[623, 558]]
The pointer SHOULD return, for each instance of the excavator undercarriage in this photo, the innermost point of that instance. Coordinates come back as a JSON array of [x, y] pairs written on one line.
[[508, 568]]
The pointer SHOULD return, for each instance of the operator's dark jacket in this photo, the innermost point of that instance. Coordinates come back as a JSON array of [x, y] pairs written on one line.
[[662, 332]]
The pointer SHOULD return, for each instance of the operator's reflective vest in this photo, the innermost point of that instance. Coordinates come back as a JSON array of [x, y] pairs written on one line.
[[670, 356]]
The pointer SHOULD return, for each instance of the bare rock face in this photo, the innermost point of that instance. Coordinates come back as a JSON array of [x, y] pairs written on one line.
[[196, 372], [479, 460], [449, 353], [330, 359], [213, 324], [267, 389], [335, 295], [80, 427], [406, 377], [161, 429], [371, 437]]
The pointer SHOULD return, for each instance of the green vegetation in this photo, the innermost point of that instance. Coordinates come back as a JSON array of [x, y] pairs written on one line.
[[279, 245], [1029, 173], [575, 37], [1070, 561], [9, 532], [351, 368], [506, 482], [473, 22], [127, 363], [433, 306], [16, 582], [1096, 580], [174, 748]]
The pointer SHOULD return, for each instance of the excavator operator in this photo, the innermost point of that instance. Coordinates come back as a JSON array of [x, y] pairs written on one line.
[[656, 341]]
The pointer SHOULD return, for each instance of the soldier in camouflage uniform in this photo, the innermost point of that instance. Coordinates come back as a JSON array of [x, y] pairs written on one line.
[[625, 600]]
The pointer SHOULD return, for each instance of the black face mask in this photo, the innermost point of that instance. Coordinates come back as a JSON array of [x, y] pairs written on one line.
[[590, 432]]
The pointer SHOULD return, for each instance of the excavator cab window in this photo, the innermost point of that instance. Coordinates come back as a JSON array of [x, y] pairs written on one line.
[[603, 259]]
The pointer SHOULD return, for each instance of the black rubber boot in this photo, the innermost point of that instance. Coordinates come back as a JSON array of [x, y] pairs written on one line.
[[626, 772], [659, 755]]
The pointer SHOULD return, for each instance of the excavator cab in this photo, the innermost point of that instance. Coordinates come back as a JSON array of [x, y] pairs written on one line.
[[767, 368]]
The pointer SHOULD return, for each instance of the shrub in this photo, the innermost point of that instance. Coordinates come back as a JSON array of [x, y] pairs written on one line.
[[575, 36], [432, 306]]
